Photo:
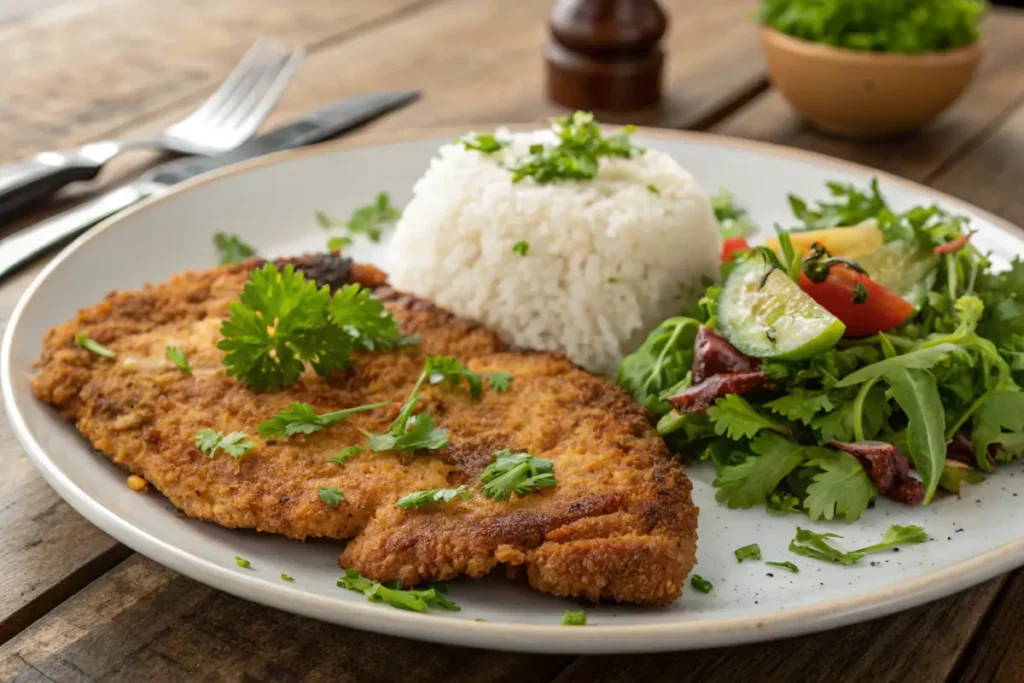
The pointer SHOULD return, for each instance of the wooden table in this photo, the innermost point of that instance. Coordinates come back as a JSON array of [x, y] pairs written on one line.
[[75, 605]]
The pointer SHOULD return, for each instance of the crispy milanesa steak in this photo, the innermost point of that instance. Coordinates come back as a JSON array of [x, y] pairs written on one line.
[[619, 525]]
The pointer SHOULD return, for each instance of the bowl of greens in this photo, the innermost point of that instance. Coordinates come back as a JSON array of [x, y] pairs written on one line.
[[871, 67]]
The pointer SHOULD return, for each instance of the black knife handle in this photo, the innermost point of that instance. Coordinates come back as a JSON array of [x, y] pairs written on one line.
[[26, 182]]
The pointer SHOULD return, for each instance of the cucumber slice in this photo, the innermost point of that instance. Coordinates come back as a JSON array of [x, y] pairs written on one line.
[[908, 272], [778, 320]]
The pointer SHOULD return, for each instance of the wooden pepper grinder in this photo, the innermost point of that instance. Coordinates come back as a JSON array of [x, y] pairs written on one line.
[[604, 54]]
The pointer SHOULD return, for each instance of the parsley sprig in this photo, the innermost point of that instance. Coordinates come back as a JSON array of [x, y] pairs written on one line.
[[177, 356], [421, 498], [369, 220], [411, 432], [519, 473], [300, 418], [811, 544], [413, 600], [231, 248], [234, 444]]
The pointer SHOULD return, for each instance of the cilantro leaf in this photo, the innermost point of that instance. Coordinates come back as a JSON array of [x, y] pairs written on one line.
[[421, 434], [448, 369], [231, 248], [346, 454], [93, 346], [814, 545], [364, 318], [700, 584], [750, 482], [331, 495], [414, 600], [209, 442], [574, 618], [748, 552], [520, 473], [485, 143], [577, 154], [801, 405], [175, 355], [897, 535], [299, 418], [734, 417], [853, 207], [421, 498], [339, 243], [498, 381], [788, 566], [368, 220], [841, 488]]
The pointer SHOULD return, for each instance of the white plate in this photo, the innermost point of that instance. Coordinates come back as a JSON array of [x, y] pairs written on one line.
[[270, 203]]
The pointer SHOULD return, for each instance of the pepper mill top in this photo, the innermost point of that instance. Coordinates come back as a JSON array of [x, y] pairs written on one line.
[[604, 54]]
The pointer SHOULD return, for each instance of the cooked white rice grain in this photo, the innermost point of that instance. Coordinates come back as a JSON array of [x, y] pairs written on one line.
[[608, 258]]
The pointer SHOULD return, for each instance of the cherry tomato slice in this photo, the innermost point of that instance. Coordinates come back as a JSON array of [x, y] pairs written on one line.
[[864, 306], [732, 246]]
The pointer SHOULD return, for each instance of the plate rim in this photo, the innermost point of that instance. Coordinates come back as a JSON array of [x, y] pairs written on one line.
[[636, 638]]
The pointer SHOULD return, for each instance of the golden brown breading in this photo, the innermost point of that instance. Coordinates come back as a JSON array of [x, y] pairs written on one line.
[[619, 525]]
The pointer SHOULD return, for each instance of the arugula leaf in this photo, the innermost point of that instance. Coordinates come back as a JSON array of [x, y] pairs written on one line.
[[498, 381], [788, 566], [331, 495], [661, 362], [801, 405], [520, 473], [782, 503], [574, 618], [448, 369], [700, 584], [231, 249], [485, 143], [921, 359], [421, 498], [367, 220], [346, 454], [917, 394], [750, 482], [176, 356], [733, 221], [355, 310], [299, 418], [209, 442], [413, 600], [906, 26], [93, 346], [1000, 411], [842, 488], [734, 417], [577, 154], [748, 552]]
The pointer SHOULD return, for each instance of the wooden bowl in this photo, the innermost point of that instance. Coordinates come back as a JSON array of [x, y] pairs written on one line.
[[865, 94]]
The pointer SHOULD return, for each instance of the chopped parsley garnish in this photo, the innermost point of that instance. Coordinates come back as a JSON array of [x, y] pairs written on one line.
[[700, 584], [299, 418], [421, 498], [498, 381], [339, 243], [448, 369], [577, 154], [748, 552], [176, 356], [285, 577], [814, 545], [653, 189], [231, 249], [367, 220], [346, 453], [94, 346], [411, 432], [788, 566], [282, 321], [234, 444], [483, 142], [733, 221], [521, 247], [520, 473], [413, 600], [242, 562], [331, 495], [574, 617]]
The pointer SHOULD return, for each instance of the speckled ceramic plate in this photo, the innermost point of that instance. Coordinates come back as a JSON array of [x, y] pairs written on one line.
[[270, 203]]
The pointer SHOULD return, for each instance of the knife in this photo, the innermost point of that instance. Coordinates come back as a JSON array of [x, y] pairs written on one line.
[[317, 126]]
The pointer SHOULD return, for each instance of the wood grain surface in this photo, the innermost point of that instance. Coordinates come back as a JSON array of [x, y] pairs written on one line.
[[72, 608]]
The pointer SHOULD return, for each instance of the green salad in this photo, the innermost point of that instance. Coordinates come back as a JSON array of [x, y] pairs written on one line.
[[870, 353], [907, 26]]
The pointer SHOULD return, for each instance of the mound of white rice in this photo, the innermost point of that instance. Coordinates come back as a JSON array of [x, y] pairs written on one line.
[[608, 258]]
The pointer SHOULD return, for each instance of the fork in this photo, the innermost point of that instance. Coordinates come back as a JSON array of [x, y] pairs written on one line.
[[225, 120]]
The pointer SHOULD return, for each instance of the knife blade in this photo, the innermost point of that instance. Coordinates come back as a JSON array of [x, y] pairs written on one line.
[[317, 126]]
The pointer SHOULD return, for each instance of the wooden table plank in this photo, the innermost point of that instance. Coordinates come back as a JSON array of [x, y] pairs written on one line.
[[142, 622], [713, 63], [70, 76]]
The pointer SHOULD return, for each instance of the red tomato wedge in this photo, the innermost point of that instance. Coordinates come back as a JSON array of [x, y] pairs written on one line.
[[880, 308], [731, 246]]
